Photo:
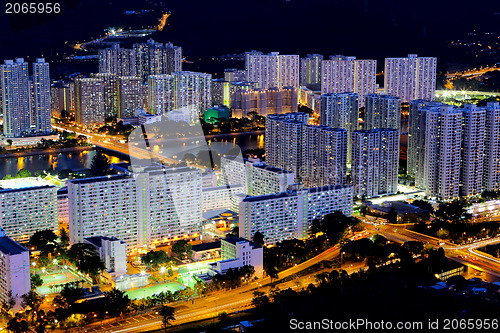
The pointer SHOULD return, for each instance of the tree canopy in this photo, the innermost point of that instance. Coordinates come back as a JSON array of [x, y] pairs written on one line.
[[155, 259], [86, 259], [182, 248], [100, 164]]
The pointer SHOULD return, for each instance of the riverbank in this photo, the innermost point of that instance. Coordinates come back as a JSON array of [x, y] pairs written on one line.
[[47, 151], [230, 135]]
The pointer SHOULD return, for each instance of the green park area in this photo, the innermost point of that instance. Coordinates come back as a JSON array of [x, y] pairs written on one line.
[[154, 289]]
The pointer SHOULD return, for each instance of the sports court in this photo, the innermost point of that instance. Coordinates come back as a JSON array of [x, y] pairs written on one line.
[[53, 282], [154, 289]]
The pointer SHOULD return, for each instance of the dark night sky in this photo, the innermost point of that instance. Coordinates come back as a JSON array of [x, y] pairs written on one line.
[[364, 28]]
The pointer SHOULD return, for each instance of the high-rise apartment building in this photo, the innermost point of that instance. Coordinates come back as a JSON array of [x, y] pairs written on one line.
[[193, 91], [145, 209], [343, 74], [220, 92], [324, 156], [416, 138], [142, 60], [289, 214], [89, 101], [375, 162], [27, 205], [382, 111], [341, 110], [310, 71], [283, 141], [41, 97], [220, 197], [257, 177], [316, 154], [443, 136], [235, 75], [263, 101], [473, 135], [117, 61], [410, 78], [491, 173], [434, 148], [110, 93], [272, 70], [15, 98], [61, 99], [161, 94], [130, 96], [154, 58]]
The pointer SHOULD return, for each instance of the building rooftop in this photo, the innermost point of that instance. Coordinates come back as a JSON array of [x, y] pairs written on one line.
[[98, 179], [206, 246], [264, 166], [269, 196], [236, 240], [24, 183], [62, 191], [97, 240], [8, 246], [327, 188]]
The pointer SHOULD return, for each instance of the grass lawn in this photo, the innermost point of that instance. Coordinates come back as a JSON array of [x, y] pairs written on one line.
[[154, 289]]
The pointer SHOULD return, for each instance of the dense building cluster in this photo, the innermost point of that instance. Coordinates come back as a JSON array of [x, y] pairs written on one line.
[[316, 162]]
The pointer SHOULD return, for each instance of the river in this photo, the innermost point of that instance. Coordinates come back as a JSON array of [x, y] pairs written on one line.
[[82, 160]]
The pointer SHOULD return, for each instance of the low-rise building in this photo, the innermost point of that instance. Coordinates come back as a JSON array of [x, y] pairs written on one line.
[[237, 252], [205, 251], [113, 253], [216, 114], [14, 271]]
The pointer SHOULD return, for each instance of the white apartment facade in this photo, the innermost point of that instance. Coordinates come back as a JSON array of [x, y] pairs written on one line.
[[375, 162], [272, 70], [220, 197], [343, 74], [89, 102], [25, 103], [283, 141], [443, 136], [416, 138], [324, 156], [27, 205], [491, 174], [473, 139], [410, 78], [256, 177], [161, 94], [113, 253], [310, 71], [130, 96], [148, 208], [382, 111], [341, 110], [289, 215], [15, 279], [41, 97], [237, 252]]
